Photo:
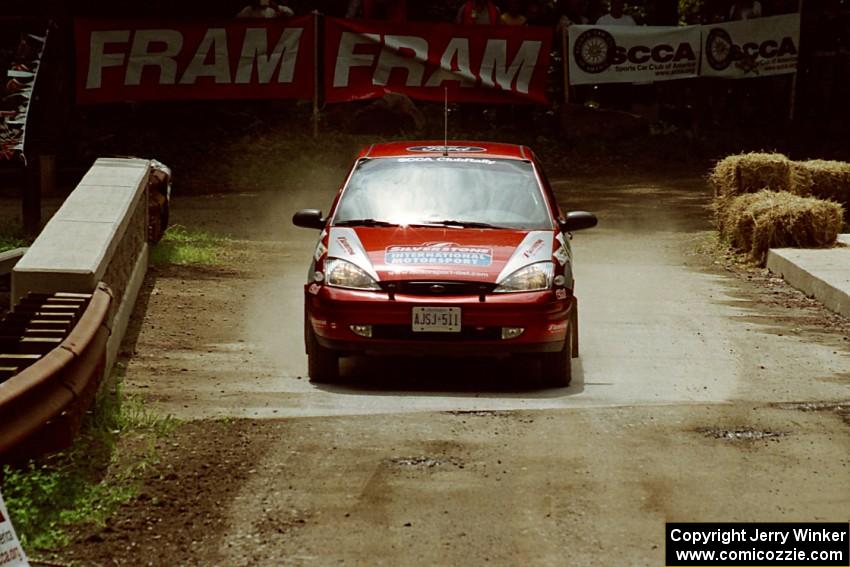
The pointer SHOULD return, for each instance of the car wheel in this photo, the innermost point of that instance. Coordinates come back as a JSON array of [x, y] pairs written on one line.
[[574, 329], [322, 363], [556, 367]]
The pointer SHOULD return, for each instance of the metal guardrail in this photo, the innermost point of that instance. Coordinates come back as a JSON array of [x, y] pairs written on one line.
[[9, 258], [43, 400]]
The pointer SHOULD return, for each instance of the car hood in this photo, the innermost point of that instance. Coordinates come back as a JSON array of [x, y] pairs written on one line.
[[426, 253]]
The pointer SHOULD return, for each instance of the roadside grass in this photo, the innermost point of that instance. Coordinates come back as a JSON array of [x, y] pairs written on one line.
[[83, 486], [11, 236], [184, 246]]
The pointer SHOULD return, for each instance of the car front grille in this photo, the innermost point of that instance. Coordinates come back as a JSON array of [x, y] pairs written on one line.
[[437, 288], [405, 333]]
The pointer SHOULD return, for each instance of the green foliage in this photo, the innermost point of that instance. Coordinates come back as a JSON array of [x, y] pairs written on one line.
[[44, 499], [87, 483], [181, 245], [11, 236], [689, 11]]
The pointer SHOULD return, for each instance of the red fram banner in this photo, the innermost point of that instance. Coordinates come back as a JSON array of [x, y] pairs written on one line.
[[240, 59], [367, 59]]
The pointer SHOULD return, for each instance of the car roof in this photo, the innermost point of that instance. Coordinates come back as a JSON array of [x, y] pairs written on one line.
[[456, 148]]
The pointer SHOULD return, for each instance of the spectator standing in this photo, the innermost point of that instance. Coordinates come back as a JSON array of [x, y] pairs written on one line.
[[570, 13], [745, 10], [616, 17], [282, 11], [635, 96], [478, 12], [391, 10]]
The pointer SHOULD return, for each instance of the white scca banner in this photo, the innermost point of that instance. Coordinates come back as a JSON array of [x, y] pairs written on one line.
[[628, 54], [751, 48], [11, 552]]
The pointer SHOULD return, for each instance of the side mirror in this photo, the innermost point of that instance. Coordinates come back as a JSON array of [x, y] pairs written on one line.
[[578, 220], [309, 218]]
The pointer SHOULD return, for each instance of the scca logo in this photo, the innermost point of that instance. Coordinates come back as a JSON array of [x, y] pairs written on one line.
[[595, 50], [721, 51]]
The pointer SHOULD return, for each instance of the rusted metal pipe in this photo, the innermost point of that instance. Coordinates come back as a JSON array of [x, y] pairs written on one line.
[[58, 387]]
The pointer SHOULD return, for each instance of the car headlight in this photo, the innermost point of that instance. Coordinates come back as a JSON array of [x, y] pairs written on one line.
[[534, 277], [339, 273]]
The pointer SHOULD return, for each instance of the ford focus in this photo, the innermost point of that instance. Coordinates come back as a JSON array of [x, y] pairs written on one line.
[[446, 250]]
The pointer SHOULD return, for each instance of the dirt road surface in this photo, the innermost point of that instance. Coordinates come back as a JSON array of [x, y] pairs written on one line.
[[685, 406]]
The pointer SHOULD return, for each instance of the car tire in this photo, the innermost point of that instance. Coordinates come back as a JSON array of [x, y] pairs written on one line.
[[322, 363], [574, 329], [556, 368]]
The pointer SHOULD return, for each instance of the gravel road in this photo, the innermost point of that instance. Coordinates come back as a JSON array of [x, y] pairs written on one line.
[[684, 407]]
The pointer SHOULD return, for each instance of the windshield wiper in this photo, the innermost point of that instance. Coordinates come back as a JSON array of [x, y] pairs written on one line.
[[364, 222], [379, 223], [458, 223]]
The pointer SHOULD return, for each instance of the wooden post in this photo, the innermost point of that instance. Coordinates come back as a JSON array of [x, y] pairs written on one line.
[[565, 57], [31, 197], [793, 97], [792, 102], [47, 174]]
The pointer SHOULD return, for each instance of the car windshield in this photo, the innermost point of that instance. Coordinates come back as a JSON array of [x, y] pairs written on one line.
[[473, 192]]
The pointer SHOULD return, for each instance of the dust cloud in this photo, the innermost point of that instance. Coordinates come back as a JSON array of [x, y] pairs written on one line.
[[275, 308]]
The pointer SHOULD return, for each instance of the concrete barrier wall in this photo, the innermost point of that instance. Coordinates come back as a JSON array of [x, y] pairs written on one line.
[[99, 234], [9, 258], [822, 273]]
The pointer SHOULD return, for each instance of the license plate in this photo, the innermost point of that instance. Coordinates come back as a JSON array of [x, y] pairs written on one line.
[[436, 319]]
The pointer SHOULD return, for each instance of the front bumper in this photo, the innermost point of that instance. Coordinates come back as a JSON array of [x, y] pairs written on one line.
[[332, 311]]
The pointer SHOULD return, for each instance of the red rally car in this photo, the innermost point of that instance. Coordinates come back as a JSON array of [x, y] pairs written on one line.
[[441, 249]]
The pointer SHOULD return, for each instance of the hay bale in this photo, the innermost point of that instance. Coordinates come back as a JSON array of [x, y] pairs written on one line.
[[799, 179], [750, 173], [829, 180], [755, 222]]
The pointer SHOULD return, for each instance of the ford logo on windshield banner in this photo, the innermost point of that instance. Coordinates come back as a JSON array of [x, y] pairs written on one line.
[[456, 149]]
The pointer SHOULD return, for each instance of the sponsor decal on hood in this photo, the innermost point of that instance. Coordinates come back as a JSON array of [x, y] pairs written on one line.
[[535, 247], [564, 256], [439, 253], [344, 243], [321, 249], [405, 253]]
